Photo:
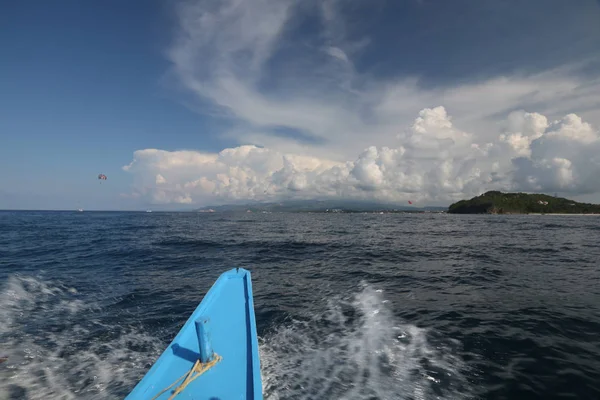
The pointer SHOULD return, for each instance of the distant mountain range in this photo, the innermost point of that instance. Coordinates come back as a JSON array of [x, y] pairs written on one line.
[[319, 206]]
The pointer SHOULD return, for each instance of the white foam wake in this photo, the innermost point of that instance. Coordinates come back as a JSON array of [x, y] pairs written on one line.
[[358, 350], [58, 347]]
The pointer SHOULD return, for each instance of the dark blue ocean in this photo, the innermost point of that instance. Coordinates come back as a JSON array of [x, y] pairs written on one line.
[[348, 306]]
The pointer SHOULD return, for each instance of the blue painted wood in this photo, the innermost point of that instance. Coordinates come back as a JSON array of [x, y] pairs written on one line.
[[230, 332], [203, 332]]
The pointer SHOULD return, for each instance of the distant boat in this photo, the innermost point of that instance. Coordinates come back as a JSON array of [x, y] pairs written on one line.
[[215, 354], [80, 209], [148, 210]]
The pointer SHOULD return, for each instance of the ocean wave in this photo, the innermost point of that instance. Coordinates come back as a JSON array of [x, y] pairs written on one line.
[[357, 349]]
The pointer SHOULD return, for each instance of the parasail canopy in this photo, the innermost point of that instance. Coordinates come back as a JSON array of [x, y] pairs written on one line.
[[102, 176]]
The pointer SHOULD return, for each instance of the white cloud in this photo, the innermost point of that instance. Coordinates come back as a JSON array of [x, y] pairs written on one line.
[[338, 53], [523, 128], [222, 55], [363, 138], [566, 158], [160, 179], [433, 161]]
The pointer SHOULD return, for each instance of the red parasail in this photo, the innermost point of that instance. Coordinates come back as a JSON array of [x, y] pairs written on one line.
[[409, 202], [102, 177]]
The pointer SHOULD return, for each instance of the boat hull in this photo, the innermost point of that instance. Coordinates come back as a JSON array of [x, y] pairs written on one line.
[[219, 335]]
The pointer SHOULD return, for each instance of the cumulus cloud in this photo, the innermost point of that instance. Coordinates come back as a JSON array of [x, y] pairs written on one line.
[[242, 57], [565, 158], [523, 128], [431, 161], [355, 134], [160, 179]]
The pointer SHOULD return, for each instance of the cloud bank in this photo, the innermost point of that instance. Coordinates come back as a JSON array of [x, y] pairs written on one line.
[[432, 161], [351, 133]]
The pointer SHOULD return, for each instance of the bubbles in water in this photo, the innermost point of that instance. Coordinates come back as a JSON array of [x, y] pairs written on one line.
[[57, 346], [357, 350], [60, 346]]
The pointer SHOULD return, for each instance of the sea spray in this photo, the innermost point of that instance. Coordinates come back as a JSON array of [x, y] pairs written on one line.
[[57, 345], [358, 349]]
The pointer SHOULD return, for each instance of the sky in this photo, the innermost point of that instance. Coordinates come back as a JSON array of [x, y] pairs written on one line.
[[183, 104]]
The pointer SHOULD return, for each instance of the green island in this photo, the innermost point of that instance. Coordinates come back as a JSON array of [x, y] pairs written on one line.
[[495, 202]]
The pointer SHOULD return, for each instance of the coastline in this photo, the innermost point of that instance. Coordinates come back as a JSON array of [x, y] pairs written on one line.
[[566, 214]]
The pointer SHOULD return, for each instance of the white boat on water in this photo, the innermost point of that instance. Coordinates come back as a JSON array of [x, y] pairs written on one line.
[[148, 210], [80, 209]]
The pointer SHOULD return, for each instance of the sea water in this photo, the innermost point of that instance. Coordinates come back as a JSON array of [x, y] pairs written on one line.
[[348, 306]]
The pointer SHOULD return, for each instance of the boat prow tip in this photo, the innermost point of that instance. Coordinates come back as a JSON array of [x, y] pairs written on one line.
[[222, 330]]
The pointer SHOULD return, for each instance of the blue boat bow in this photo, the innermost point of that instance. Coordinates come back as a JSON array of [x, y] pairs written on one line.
[[215, 354]]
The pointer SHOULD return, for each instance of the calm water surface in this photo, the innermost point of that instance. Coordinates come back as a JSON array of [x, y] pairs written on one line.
[[348, 306]]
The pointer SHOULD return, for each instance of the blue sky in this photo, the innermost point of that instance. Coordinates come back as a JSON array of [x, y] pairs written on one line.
[[81, 90], [312, 85]]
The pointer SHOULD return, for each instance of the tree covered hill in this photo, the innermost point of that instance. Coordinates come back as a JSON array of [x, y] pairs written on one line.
[[495, 202]]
